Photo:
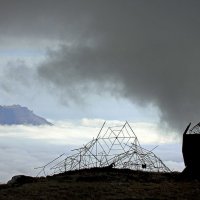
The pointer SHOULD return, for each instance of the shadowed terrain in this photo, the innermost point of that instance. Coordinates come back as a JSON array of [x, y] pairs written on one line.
[[103, 183]]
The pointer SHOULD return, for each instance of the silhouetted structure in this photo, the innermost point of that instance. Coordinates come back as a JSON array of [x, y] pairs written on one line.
[[112, 165], [116, 146], [191, 152]]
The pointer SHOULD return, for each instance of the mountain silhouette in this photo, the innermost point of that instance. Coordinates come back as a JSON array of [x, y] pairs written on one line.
[[16, 115]]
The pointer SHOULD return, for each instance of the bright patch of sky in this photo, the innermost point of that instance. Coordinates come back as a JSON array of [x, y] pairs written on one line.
[[31, 57]]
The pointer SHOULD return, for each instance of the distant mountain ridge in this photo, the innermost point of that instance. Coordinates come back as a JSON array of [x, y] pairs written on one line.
[[17, 114]]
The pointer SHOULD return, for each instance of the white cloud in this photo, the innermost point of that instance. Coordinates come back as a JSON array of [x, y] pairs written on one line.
[[22, 148]]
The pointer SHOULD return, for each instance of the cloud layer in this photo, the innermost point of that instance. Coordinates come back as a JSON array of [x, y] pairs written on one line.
[[147, 52], [22, 148]]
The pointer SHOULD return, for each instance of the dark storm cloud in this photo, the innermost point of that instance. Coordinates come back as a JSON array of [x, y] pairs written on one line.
[[146, 51], [42, 19]]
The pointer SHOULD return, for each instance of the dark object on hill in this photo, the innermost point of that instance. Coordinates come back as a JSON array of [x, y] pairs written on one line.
[[16, 115], [191, 151], [111, 165], [20, 180]]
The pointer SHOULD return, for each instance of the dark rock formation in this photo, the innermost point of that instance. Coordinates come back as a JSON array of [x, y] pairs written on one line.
[[20, 180], [191, 152], [16, 114]]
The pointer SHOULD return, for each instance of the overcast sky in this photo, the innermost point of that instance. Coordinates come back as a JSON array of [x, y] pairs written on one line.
[[83, 55], [116, 60]]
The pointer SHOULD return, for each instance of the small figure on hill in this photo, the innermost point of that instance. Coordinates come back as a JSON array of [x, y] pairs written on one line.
[[111, 165]]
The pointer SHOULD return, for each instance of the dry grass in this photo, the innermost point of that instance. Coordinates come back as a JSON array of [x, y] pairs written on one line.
[[104, 184]]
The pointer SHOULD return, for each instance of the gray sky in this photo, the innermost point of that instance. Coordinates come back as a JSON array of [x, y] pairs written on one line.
[[71, 57], [83, 62]]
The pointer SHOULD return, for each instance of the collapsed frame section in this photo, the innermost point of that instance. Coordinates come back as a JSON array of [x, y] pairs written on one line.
[[116, 146]]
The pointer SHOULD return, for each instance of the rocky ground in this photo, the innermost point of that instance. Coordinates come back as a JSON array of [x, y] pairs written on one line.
[[102, 184]]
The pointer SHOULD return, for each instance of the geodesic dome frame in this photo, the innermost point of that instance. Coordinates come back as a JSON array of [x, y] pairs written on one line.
[[117, 146]]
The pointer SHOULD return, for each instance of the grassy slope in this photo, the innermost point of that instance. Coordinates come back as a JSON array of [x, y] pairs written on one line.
[[104, 184]]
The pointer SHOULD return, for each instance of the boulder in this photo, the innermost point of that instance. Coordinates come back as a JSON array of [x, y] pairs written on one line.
[[20, 180]]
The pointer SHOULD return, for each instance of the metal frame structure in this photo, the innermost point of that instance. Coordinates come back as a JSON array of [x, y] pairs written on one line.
[[195, 129], [116, 146]]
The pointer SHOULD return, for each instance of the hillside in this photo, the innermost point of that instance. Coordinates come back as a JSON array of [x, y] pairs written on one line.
[[16, 114], [102, 183]]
